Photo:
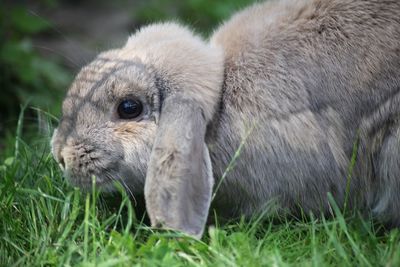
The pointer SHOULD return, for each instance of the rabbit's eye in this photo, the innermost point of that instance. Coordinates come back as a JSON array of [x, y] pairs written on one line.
[[129, 109]]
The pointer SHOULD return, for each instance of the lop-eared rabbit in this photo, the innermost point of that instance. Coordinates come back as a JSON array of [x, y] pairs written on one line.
[[299, 98]]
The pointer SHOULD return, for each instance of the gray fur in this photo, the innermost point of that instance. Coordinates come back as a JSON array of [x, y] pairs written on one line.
[[302, 81]]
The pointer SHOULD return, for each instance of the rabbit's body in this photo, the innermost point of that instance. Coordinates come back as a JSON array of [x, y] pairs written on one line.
[[310, 88], [306, 81]]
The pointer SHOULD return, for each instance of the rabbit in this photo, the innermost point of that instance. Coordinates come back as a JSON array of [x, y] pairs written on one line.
[[287, 102]]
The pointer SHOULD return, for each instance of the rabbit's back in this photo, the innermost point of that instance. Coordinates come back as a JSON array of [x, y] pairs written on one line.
[[308, 53], [303, 81]]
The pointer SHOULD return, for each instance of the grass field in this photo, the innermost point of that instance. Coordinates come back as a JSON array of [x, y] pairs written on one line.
[[45, 222]]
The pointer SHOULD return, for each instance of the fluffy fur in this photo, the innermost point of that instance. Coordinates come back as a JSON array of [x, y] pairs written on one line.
[[302, 83]]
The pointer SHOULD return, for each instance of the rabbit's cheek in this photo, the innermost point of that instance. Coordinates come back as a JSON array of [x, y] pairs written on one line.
[[135, 136], [136, 140]]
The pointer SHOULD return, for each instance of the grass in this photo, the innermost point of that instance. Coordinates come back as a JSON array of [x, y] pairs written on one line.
[[45, 222]]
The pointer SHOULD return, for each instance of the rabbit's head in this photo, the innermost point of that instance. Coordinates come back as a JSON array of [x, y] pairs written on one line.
[[138, 115]]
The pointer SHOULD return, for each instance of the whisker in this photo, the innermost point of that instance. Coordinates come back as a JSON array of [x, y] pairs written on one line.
[[130, 192], [58, 54], [110, 176], [103, 203], [55, 29]]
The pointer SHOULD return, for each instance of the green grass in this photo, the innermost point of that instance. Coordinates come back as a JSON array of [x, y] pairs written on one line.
[[45, 222]]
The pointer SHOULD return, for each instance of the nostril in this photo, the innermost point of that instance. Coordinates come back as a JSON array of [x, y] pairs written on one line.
[[62, 162]]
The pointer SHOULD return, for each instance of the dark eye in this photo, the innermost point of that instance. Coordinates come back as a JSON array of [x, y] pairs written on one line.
[[130, 109]]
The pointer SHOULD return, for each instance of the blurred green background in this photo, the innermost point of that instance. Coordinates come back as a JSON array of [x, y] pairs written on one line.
[[44, 43]]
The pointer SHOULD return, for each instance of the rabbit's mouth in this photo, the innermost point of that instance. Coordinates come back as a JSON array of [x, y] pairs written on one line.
[[103, 180]]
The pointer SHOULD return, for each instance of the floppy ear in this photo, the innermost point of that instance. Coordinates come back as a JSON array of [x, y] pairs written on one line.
[[179, 179]]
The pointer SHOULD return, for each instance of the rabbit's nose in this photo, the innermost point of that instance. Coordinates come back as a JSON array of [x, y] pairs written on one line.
[[64, 159]]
